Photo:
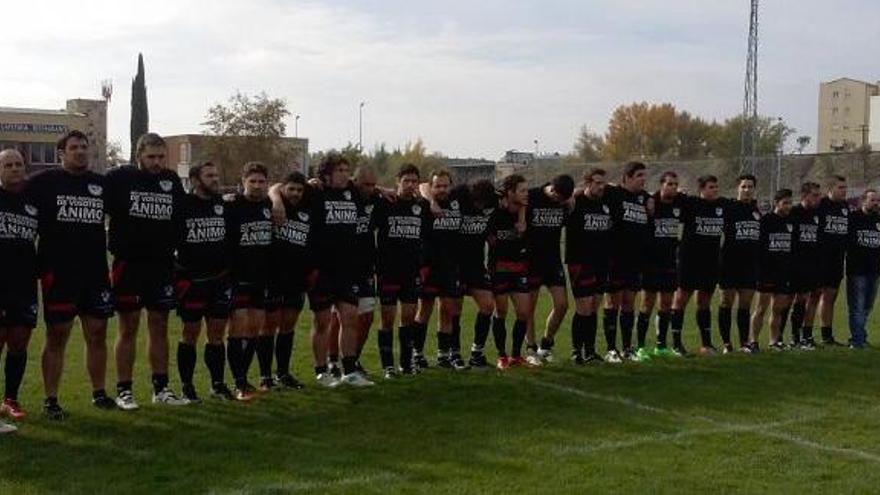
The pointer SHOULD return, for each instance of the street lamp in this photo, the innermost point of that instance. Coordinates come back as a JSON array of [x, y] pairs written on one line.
[[296, 126], [361, 126]]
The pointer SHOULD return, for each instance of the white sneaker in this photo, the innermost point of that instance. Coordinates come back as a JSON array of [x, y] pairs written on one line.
[[169, 398], [327, 380], [7, 428], [532, 358], [545, 355], [613, 357], [125, 401], [356, 379]]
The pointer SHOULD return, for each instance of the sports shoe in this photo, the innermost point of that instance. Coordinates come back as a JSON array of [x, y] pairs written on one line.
[[408, 371], [189, 393], [831, 342], [266, 384], [327, 380], [778, 346], [419, 361], [752, 348], [103, 402], [220, 391], [502, 363], [807, 345], [333, 369], [125, 401], [629, 355], [545, 355], [360, 368], [390, 373], [458, 363], [680, 351], [288, 382], [577, 358], [444, 361], [6, 428], [533, 360], [727, 349], [243, 394], [12, 408], [708, 350], [478, 361], [592, 358], [613, 356], [355, 379], [169, 398], [663, 352], [642, 354], [53, 411], [857, 346]]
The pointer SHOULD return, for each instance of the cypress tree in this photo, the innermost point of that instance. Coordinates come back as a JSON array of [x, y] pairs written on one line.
[[140, 119]]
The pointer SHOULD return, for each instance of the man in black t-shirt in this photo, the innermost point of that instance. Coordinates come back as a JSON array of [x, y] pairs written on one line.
[[144, 203], [862, 266], [631, 210], [545, 217], [72, 257], [739, 261], [402, 227], [805, 278], [588, 239], [202, 281], [833, 232], [18, 286], [774, 271], [661, 274]]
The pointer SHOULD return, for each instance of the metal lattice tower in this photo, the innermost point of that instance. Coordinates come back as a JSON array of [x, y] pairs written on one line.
[[750, 102]]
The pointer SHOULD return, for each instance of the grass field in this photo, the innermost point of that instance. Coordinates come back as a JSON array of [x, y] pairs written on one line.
[[796, 422]]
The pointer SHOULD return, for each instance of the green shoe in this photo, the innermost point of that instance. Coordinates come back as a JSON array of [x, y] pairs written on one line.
[[642, 354], [662, 352]]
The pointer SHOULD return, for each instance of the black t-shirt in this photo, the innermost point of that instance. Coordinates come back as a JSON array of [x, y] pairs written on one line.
[[806, 248], [777, 243], [742, 232], [201, 252], [366, 232], [833, 226], [144, 211], [506, 243], [863, 248], [402, 228], [473, 232], [631, 223], [588, 232], [703, 228], [292, 241], [71, 221], [444, 233], [249, 239], [18, 232], [544, 221], [338, 216], [666, 227]]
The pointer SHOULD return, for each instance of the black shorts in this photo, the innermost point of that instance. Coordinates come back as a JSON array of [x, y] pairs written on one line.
[[587, 279], [18, 303], [510, 278], [773, 281], [334, 285], [831, 270], [739, 275], [625, 273], [139, 284], [404, 287], [441, 281], [546, 275], [806, 277], [475, 277], [249, 294], [287, 289], [698, 273], [660, 279], [199, 299], [71, 292]]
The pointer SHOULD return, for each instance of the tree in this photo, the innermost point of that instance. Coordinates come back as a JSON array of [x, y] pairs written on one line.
[[114, 154], [693, 134], [642, 130], [802, 143], [248, 128], [771, 135], [589, 146], [140, 118]]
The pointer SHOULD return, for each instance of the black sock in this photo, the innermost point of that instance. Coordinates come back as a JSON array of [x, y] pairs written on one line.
[[420, 335], [160, 382], [186, 362], [627, 320], [676, 321], [827, 333], [743, 324], [385, 338], [499, 334], [14, 372], [807, 333], [235, 356], [785, 313], [265, 353], [320, 369], [124, 386], [443, 343], [578, 332], [348, 364], [798, 312], [519, 336], [547, 343], [215, 360], [663, 318], [333, 358], [406, 346], [455, 338], [609, 323], [704, 323], [642, 325], [725, 322], [481, 329], [591, 327], [250, 350], [283, 351]]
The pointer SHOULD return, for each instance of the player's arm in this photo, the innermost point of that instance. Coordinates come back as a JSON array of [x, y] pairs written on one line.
[[279, 213], [425, 192]]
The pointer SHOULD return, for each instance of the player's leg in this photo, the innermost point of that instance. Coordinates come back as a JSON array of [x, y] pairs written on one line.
[[333, 338], [725, 317], [215, 354], [627, 322], [420, 329], [757, 323], [743, 315], [157, 324], [266, 337], [16, 339], [499, 329], [663, 321], [186, 358], [238, 346], [679, 306], [521, 308], [559, 299], [643, 321], [408, 308], [126, 347], [284, 344], [779, 307], [385, 336], [57, 336], [348, 343], [704, 320], [448, 313], [320, 333], [482, 325], [611, 311]]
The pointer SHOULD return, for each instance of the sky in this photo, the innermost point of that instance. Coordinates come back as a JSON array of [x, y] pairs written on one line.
[[471, 79]]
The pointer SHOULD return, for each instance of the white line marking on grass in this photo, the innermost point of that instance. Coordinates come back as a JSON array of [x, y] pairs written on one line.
[[312, 485], [763, 431]]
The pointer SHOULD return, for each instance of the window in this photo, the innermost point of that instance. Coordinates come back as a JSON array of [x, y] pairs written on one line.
[[48, 153], [185, 152], [36, 152], [835, 94], [834, 111]]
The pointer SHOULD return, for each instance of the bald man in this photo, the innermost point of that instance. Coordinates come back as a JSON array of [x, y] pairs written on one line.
[[18, 286]]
